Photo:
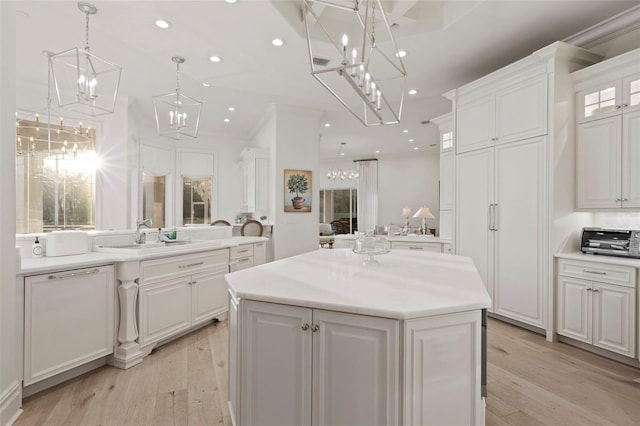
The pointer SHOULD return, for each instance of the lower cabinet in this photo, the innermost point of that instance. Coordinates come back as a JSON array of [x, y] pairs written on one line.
[[169, 306], [309, 366], [595, 312], [69, 320], [292, 365]]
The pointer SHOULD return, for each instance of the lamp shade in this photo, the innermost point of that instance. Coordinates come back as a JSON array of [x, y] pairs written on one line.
[[424, 212], [406, 211]]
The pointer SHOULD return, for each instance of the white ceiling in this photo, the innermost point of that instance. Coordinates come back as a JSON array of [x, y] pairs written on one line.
[[449, 43]]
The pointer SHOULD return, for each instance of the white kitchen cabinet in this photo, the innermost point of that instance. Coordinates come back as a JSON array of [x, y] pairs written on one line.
[[307, 366], [608, 152], [420, 246], [499, 189], [69, 320], [596, 305], [515, 111], [254, 181], [259, 253], [446, 180], [608, 133], [181, 292]]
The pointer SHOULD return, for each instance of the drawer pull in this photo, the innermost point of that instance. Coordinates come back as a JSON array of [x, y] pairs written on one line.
[[594, 272], [73, 274], [416, 248], [243, 251], [191, 265]]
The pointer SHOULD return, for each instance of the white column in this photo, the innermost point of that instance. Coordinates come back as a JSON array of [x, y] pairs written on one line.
[[127, 351]]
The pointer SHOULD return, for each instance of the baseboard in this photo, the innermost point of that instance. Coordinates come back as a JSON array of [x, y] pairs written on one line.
[[63, 377], [10, 403]]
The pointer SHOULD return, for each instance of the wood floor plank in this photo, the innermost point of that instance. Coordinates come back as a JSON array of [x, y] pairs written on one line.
[[530, 382]]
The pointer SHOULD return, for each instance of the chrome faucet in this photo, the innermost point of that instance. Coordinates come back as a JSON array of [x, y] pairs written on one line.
[[141, 237]]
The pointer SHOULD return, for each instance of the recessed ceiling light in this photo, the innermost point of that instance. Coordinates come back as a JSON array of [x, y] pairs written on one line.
[[415, 148], [327, 124], [230, 1], [214, 58], [377, 151], [231, 109], [277, 42], [206, 84], [410, 140], [342, 154], [405, 131], [226, 120], [161, 23], [413, 91], [401, 53]]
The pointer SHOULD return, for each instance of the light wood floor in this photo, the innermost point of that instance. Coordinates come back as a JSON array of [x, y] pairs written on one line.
[[531, 382]]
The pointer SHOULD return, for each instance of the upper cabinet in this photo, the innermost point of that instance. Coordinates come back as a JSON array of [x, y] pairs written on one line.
[[513, 110], [608, 133], [254, 176]]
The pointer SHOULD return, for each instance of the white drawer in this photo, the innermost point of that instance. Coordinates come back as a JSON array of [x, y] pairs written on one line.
[[596, 271], [245, 250], [434, 247], [170, 267]]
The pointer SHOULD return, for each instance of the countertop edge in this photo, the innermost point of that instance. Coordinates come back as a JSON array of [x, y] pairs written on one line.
[[612, 260]]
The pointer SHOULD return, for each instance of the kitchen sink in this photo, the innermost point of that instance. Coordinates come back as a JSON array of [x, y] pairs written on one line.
[[157, 247]]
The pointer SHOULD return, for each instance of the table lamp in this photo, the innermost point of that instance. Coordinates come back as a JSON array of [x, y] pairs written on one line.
[[424, 213], [406, 212]]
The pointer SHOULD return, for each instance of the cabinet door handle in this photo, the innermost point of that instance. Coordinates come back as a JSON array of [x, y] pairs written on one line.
[[595, 290], [305, 327], [495, 217], [594, 272], [625, 199], [191, 265], [618, 106], [193, 282], [618, 199], [73, 274], [589, 289], [315, 328], [624, 105], [490, 217]]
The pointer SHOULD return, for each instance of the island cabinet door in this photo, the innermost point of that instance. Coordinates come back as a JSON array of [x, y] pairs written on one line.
[[442, 370], [275, 364], [356, 369]]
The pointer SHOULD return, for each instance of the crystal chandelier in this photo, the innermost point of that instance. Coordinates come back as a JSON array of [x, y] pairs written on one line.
[[334, 174], [353, 54], [177, 115], [84, 82]]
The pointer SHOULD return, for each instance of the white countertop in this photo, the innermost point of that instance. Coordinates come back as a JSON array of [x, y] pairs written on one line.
[[33, 265], [612, 260], [399, 238], [404, 285]]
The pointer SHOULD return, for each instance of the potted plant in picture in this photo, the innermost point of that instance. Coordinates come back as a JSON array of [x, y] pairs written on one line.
[[297, 184]]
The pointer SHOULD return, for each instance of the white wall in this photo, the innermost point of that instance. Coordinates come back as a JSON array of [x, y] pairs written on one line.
[[10, 390], [293, 140], [411, 181]]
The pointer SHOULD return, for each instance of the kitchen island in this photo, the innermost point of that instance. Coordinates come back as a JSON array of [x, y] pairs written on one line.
[[325, 338]]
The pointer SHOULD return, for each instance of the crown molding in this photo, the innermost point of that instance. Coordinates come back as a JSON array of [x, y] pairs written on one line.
[[606, 30]]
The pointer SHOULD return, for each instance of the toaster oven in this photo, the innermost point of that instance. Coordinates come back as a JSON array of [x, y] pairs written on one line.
[[611, 242]]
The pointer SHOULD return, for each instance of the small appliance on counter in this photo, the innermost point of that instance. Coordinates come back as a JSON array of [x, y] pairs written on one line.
[[611, 242]]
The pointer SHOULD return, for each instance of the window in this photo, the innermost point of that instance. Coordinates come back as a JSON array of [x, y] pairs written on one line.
[[196, 200], [339, 205], [447, 140], [153, 198], [55, 175], [600, 101]]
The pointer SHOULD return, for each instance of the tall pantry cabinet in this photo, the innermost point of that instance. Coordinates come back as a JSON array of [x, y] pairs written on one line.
[[510, 126]]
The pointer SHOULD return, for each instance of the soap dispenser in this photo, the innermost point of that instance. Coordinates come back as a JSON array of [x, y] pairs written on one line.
[[37, 248]]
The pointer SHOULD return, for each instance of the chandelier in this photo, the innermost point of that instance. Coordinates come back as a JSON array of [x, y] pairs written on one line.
[[177, 115], [84, 82], [353, 54], [334, 174]]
